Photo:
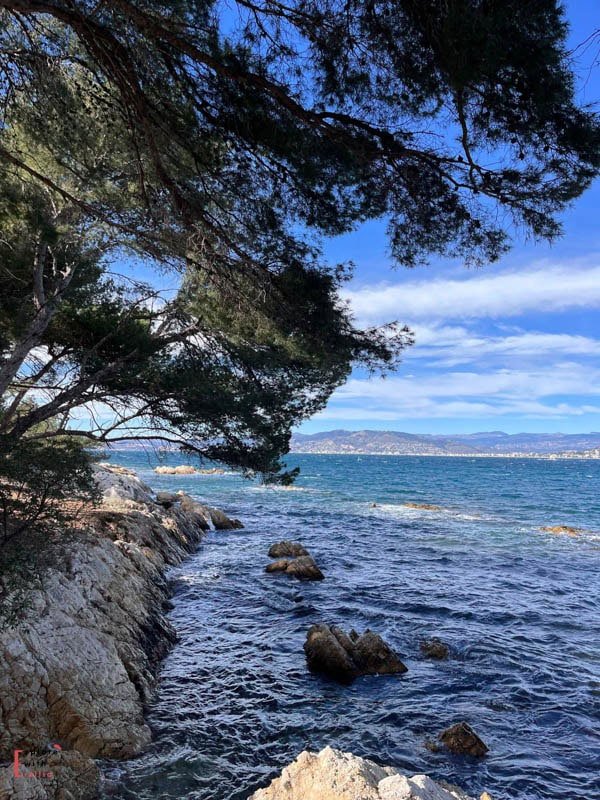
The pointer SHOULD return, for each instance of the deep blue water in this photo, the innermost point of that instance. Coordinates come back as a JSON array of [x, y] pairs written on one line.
[[518, 607]]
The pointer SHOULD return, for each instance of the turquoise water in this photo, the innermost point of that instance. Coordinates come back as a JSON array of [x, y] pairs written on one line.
[[518, 607]]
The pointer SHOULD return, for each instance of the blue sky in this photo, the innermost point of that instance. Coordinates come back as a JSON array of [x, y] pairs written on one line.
[[514, 346]]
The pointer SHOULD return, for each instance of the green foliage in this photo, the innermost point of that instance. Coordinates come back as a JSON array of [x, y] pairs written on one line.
[[42, 487], [217, 150]]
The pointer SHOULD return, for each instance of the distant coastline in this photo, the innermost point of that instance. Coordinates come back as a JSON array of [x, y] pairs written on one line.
[[576, 456], [491, 444]]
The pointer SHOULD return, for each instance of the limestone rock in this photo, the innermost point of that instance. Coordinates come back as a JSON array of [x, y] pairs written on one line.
[[119, 485], [66, 775], [463, 740], [287, 549], [334, 775], [81, 665], [331, 651], [435, 648], [181, 469]]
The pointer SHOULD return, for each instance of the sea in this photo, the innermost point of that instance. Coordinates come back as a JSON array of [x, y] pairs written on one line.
[[518, 607]]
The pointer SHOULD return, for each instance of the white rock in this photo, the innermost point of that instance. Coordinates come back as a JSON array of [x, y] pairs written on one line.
[[117, 485], [335, 775]]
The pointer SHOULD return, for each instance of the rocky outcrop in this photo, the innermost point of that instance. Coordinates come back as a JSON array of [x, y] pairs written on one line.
[[181, 469], [435, 648], [334, 775], [462, 740], [345, 657], [303, 568], [287, 549], [81, 665]]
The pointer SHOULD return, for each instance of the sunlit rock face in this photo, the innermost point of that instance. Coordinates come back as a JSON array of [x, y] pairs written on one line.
[[334, 775], [80, 666]]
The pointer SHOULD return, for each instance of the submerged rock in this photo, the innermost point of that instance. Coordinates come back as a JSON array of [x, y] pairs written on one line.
[[423, 506], [331, 651], [568, 529], [334, 775], [287, 549], [462, 739], [435, 648]]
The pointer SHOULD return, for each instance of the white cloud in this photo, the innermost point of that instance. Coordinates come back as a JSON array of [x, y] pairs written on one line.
[[540, 288], [450, 346], [465, 394]]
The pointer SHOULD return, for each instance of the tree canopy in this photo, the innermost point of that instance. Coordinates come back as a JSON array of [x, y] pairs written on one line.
[[208, 147]]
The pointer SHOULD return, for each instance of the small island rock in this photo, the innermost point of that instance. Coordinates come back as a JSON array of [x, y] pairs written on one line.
[[462, 740], [330, 650], [304, 568], [334, 775], [286, 549]]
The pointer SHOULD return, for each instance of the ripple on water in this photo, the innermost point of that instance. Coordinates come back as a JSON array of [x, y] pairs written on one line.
[[519, 611]]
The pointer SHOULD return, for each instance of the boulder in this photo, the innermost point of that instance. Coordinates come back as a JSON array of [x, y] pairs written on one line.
[[120, 487], [286, 549], [167, 499], [435, 648], [462, 740], [331, 651], [304, 568], [334, 775], [278, 566], [222, 522]]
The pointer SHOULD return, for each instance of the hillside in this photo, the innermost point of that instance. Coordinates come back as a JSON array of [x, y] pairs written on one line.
[[399, 443]]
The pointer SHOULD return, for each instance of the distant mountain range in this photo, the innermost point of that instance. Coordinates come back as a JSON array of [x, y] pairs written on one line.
[[398, 443]]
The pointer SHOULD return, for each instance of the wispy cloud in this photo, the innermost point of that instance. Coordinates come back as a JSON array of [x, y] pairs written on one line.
[[555, 391], [507, 294]]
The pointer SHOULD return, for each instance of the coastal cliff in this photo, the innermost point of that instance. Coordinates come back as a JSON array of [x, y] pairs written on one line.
[[76, 673]]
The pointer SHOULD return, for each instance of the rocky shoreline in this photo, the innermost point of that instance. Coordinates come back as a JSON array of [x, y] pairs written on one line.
[[78, 672]]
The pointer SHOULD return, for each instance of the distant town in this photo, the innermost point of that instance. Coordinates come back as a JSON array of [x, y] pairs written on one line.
[[494, 444]]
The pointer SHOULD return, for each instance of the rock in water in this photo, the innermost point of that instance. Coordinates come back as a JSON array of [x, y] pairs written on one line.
[[287, 549], [331, 651], [334, 775], [462, 739], [423, 506], [568, 529], [305, 569], [278, 566], [222, 522], [435, 648]]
